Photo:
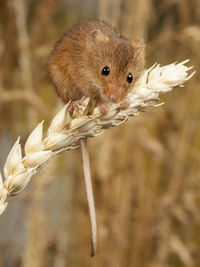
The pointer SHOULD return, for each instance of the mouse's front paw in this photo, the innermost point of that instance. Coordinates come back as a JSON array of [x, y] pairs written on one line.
[[103, 106], [76, 105], [125, 103]]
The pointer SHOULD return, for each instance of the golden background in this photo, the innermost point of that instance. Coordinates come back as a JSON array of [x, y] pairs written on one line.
[[146, 172]]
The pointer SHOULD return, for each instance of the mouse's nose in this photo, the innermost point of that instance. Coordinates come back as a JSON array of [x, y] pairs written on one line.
[[113, 98]]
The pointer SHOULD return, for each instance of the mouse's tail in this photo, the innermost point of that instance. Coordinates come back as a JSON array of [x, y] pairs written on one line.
[[89, 193]]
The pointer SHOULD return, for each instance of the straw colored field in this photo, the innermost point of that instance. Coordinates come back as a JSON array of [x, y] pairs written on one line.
[[146, 172]]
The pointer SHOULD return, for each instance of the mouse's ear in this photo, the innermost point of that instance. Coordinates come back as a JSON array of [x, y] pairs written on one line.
[[138, 44], [139, 47], [96, 36]]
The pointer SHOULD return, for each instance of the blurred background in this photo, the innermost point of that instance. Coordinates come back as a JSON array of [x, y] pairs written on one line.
[[146, 172]]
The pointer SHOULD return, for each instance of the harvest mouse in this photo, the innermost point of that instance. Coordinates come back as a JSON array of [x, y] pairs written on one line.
[[94, 60]]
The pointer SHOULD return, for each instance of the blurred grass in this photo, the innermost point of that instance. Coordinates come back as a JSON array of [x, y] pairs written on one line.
[[146, 172]]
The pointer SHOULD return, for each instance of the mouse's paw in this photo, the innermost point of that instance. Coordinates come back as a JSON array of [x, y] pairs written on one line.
[[76, 105], [103, 106], [125, 103]]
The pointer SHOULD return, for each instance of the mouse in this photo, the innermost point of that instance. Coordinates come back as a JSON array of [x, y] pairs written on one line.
[[95, 60]]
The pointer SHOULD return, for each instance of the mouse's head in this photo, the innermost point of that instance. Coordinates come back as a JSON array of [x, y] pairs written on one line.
[[116, 63]]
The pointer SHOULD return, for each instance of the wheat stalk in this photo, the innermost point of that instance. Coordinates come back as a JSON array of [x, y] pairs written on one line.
[[65, 131]]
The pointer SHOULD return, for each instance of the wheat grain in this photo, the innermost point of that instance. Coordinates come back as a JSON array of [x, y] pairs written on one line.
[[65, 131]]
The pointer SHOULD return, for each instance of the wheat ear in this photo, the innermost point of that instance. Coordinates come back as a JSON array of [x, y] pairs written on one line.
[[65, 131]]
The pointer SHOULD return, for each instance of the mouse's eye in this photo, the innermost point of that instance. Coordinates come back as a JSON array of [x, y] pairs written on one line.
[[105, 71], [129, 78]]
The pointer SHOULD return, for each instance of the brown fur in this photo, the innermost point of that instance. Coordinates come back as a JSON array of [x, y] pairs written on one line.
[[79, 56]]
